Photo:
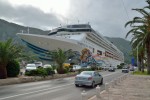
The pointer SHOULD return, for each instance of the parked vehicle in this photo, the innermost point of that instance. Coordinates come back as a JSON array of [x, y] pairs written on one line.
[[47, 66], [111, 69], [30, 67], [125, 70], [38, 64], [76, 67], [131, 68], [88, 78]]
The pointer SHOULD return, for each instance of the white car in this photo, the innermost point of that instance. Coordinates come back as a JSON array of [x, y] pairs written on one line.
[[38, 64], [30, 67], [88, 78], [76, 67], [47, 66]]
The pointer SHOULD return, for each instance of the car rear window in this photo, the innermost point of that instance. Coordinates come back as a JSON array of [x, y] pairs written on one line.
[[86, 73]]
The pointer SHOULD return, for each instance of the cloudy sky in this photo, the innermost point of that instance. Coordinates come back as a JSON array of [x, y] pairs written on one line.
[[106, 16]]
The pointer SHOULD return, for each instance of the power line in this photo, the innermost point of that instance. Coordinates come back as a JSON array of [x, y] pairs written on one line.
[[125, 9]]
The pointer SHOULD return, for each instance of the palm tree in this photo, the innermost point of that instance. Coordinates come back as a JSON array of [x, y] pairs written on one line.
[[59, 57], [141, 31], [8, 52]]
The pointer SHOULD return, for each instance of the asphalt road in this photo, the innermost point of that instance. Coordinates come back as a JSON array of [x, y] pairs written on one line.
[[57, 89]]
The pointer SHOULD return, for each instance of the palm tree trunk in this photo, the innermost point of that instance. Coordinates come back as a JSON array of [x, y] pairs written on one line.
[[139, 64], [3, 72], [148, 58], [142, 66]]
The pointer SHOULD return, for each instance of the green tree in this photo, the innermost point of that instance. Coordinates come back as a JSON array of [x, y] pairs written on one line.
[[59, 57], [141, 31], [13, 68], [8, 52]]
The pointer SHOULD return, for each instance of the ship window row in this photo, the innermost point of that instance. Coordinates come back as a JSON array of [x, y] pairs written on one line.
[[62, 34], [100, 41], [70, 30], [117, 57], [103, 42], [78, 26], [74, 30]]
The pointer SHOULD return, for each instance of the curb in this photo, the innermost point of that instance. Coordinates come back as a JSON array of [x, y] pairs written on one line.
[[11, 81], [91, 98]]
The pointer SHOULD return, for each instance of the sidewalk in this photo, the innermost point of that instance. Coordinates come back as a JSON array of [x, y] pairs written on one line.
[[134, 87]]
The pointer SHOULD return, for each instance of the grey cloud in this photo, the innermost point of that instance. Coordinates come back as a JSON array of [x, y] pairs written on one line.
[[106, 16], [28, 15]]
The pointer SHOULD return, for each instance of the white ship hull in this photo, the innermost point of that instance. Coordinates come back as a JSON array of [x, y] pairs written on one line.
[[42, 44]]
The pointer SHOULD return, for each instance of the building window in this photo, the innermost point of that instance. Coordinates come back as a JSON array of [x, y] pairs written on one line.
[[99, 52]]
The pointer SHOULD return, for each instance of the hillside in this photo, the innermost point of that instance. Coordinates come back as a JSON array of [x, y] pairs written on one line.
[[122, 45], [9, 30]]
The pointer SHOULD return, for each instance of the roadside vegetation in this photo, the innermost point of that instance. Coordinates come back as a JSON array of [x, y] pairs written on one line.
[[139, 73], [140, 31], [43, 72], [9, 51]]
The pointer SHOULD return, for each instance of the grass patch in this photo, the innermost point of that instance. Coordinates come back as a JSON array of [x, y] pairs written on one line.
[[139, 73]]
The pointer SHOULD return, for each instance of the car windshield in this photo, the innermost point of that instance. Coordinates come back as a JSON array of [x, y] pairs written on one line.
[[31, 65], [86, 73]]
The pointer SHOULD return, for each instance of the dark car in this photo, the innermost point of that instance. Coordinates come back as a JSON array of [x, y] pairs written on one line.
[[125, 70], [111, 69]]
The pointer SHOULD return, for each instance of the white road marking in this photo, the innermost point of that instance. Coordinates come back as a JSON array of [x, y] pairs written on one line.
[[45, 89], [35, 91]]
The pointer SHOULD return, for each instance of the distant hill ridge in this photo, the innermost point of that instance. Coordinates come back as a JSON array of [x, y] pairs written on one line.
[[9, 30]]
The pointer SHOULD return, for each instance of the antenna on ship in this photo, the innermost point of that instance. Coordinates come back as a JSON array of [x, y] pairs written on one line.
[[78, 21]]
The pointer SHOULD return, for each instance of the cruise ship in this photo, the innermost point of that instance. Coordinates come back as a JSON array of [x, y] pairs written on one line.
[[88, 44]]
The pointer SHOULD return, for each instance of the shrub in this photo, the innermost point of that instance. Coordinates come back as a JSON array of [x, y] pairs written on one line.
[[50, 71], [94, 68], [13, 68], [31, 73], [54, 67], [119, 67], [39, 72]]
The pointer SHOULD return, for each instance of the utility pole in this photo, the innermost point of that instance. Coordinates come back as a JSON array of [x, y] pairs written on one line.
[[137, 57]]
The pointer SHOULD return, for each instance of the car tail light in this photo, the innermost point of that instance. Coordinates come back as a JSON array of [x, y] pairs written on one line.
[[90, 78]]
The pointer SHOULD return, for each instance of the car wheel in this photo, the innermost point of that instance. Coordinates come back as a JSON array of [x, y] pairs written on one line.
[[76, 85], [93, 84], [101, 82]]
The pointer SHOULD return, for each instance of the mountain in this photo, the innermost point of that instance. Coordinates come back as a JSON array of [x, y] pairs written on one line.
[[122, 45], [9, 30]]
